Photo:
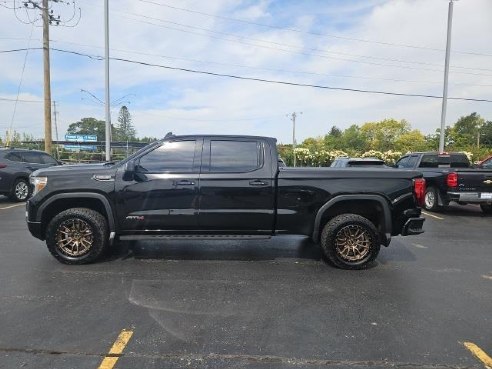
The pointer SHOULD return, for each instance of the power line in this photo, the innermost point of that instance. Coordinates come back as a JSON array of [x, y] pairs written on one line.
[[96, 57], [306, 32], [20, 100], [20, 83], [250, 67], [304, 53], [324, 51]]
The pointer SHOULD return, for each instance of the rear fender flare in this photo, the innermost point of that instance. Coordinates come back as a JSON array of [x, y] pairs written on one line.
[[387, 224]]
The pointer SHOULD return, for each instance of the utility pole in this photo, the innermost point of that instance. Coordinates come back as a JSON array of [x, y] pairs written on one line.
[[446, 74], [293, 119], [48, 19], [106, 78], [47, 77]]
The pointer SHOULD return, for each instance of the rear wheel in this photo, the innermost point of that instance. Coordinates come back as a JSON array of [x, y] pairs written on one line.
[[431, 199], [350, 241], [486, 208], [20, 191], [77, 236]]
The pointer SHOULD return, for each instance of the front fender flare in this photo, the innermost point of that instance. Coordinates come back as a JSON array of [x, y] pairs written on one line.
[[72, 195]]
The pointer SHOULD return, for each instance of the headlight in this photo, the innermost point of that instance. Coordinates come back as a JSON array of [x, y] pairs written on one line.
[[38, 183]]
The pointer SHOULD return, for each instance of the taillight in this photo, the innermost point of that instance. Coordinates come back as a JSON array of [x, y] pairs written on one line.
[[419, 190], [452, 180], [3, 166]]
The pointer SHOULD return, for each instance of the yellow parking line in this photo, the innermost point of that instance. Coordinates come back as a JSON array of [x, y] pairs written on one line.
[[12, 206], [118, 346], [432, 215], [479, 353]]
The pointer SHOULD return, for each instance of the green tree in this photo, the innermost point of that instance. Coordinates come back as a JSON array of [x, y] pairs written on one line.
[[89, 126], [125, 131], [382, 135], [465, 130], [411, 141], [332, 139], [353, 139], [486, 134]]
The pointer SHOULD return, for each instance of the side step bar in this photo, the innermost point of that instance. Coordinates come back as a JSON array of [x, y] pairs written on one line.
[[196, 237]]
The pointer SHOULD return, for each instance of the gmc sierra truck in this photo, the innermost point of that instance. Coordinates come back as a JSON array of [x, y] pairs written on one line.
[[221, 187], [450, 177]]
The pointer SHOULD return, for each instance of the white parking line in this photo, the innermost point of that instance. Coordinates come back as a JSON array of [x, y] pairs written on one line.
[[432, 215], [12, 206]]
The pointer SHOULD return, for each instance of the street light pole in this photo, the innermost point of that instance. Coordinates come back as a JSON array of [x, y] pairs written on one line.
[[446, 73], [106, 74]]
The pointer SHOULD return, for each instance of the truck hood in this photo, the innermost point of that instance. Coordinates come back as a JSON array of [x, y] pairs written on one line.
[[63, 170]]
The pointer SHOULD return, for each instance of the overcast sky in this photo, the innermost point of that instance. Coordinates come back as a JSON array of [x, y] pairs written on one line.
[[395, 46]]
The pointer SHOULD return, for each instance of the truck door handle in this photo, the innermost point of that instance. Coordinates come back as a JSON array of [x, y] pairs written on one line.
[[258, 183], [184, 182]]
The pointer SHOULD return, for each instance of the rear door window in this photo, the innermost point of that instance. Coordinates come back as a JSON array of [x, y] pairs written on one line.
[[32, 157], [235, 156]]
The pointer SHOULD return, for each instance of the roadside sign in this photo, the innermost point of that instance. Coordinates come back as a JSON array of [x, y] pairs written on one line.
[[80, 139]]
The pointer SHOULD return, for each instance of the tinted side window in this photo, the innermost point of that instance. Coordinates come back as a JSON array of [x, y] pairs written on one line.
[[32, 157], [13, 157], [487, 164], [235, 156], [459, 161], [429, 161], [46, 159], [403, 162], [177, 157]]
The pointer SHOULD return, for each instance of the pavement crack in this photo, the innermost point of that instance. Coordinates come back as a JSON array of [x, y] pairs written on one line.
[[51, 352]]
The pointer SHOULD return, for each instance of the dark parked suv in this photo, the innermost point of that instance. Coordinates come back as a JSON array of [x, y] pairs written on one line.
[[15, 167]]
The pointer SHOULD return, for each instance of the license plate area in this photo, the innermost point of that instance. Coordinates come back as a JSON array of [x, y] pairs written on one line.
[[486, 195]]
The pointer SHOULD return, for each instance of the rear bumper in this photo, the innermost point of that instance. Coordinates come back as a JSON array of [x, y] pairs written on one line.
[[413, 226], [471, 197]]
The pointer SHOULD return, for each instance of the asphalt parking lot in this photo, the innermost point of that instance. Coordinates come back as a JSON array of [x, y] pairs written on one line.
[[250, 304]]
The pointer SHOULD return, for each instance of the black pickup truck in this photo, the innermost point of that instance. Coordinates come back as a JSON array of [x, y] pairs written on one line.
[[450, 177], [220, 187]]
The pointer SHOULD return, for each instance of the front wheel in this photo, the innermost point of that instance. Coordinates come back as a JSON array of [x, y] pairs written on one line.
[[486, 208], [77, 236], [350, 241]]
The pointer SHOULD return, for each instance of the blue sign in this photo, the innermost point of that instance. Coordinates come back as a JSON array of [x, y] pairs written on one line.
[[81, 138], [79, 148]]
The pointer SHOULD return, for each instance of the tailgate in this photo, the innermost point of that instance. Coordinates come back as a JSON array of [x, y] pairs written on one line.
[[476, 181]]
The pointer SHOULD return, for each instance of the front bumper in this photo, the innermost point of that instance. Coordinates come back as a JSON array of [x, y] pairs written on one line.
[[35, 229], [413, 226], [33, 225], [471, 197]]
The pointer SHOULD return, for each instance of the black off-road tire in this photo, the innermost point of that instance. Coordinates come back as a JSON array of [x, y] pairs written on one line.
[[21, 190], [431, 199], [486, 208], [85, 219], [341, 226]]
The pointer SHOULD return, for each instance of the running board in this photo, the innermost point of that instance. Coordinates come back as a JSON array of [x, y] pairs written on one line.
[[196, 237]]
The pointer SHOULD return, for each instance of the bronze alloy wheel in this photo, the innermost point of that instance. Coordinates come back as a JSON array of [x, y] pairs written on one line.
[[74, 237], [353, 243]]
